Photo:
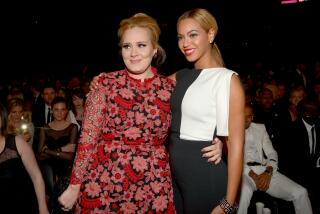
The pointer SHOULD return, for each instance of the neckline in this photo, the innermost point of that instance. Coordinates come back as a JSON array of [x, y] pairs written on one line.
[[146, 80]]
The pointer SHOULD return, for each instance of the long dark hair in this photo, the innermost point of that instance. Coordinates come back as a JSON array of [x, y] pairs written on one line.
[[3, 120]]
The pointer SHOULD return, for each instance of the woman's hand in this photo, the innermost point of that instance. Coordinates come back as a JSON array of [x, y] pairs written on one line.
[[217, 210], [69, 197], [214, 151], [94, 82], [70, 147]]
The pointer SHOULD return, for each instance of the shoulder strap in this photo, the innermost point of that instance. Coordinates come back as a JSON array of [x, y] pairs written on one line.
[[11, 142]]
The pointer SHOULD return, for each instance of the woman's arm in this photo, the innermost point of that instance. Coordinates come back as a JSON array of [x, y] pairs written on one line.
[[67, 152], [31, 166], [41, 146], [235, 140], [93, 122]]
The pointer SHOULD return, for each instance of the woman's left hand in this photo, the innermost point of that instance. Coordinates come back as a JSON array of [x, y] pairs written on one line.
[[214, 151], [217, 210]]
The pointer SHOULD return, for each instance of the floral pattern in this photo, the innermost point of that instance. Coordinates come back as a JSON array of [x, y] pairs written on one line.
[[121, 161]]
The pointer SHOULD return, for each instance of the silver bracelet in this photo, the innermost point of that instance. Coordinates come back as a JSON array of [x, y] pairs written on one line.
[[227, 208]]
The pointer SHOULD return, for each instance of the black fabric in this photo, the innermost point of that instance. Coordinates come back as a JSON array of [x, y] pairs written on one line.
[[11, 143], [16, 189], [184, 78], [313, 141], [198, 185], [49, 115]]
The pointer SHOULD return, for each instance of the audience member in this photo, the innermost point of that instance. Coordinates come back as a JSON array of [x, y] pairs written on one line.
[[261, 170]]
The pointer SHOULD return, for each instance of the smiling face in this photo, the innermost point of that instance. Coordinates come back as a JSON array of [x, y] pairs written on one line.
[[59, 111], [137, 52], [194, 41]]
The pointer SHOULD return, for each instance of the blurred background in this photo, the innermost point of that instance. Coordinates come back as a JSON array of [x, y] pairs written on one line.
[[59, 37]]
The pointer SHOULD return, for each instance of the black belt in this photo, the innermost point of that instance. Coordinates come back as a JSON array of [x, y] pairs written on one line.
[[254, 164]]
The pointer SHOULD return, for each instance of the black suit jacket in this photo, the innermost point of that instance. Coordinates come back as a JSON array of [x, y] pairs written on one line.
[[299, 164]]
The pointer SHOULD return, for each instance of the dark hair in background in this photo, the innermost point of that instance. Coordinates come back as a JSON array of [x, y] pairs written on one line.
[[3, 120], [59, 99]]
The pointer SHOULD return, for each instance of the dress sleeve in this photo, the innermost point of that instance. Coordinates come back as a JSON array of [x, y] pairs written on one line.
[[74, 134], [94, 119]]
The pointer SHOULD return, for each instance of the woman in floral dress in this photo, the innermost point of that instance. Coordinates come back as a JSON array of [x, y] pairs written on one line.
[[121, 164]]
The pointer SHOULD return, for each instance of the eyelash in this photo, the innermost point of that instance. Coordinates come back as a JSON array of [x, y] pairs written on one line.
[[127, 46], [193, 35]]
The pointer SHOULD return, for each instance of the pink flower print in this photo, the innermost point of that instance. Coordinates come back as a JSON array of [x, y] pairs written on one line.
[[109, 187], [105, 198], [92, 189], [128, 196], [122, 79], [153, 112], [146, 188], [117, 120], [149, 124], [94, 175], [130, 114], [150, 96], [139, 195], [129, 123], [160, 203], [124, 158], [105, 176], [126, 93], [139, 164], [100, 168], [112, 93], [157, 122], [118, 188], [133, 133], [133, 187], [140, 118], [98, 211], [164, 94], [160, 153], [128, 207], [117, 176], [156, 187], [112, 110]]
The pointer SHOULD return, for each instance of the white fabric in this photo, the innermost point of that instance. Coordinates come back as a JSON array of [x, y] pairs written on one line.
[[206, 105], [257, 142], [280, 185], [72, 119], [46, 113], [311, 145]]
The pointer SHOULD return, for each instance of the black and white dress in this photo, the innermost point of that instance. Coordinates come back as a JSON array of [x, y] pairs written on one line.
[[200, 110]]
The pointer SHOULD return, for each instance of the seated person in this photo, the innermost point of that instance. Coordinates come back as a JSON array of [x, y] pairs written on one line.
[[57, 145], [261, 170], [17, 160]]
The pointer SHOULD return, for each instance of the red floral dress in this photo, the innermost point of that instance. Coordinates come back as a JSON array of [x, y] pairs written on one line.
[[121, 161]]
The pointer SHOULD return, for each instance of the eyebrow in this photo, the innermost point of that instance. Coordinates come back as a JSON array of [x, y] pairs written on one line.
[[190, 31]]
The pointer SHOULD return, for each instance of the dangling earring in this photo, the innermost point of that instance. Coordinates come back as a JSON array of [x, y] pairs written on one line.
[[211, 41]]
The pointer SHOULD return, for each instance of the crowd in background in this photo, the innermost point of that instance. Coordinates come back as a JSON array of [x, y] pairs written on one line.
[[274, 91]]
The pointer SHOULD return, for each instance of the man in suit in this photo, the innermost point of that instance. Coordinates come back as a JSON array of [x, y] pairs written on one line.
[[41, 113], [304, 150], [261, 170]]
